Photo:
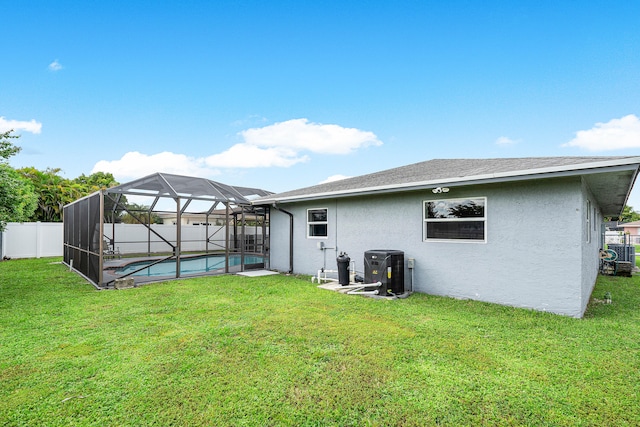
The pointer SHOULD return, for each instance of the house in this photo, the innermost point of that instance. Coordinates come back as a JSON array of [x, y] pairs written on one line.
[[170, 218], [523, 232], [631, 228]]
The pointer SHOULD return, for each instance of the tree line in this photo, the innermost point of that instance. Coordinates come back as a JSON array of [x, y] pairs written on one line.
[[28, 194]]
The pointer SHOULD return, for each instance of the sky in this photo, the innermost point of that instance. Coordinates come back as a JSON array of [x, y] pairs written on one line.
[[286, 94]]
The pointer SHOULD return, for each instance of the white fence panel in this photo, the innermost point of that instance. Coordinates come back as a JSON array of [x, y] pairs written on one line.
[[32, 239], [133, 238], [619, 238], [45, 239]]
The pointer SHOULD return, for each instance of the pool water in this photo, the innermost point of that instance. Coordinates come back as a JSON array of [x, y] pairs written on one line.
[[193, 265]]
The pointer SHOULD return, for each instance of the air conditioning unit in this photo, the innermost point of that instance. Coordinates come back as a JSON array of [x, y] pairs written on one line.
[[385, 266]]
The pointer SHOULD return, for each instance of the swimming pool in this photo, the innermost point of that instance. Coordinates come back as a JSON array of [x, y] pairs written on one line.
[[190, 265]]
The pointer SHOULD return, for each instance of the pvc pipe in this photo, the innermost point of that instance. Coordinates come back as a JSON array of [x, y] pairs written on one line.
[[361, 285], [322, 272], [358, 292], [352, 273]]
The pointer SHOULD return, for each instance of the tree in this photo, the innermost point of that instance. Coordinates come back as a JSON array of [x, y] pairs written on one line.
[[141, 212], [466, 210], [96, 181], [629, 215], [7, 149], [17, 197], [54, 191], [28, 194]]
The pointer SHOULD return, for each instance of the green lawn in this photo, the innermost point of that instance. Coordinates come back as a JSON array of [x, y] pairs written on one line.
[[277, 350]]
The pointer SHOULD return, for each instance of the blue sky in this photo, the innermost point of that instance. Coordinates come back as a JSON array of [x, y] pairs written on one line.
[[281, 95]]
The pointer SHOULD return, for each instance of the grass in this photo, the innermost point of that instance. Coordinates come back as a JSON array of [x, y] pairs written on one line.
[[276, 350]]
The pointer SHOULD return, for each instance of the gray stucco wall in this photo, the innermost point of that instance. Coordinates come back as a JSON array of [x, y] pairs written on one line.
[[534, 256], [592, 243]]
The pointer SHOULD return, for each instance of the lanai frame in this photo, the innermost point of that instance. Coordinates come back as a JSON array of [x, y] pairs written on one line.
[[87, 247]]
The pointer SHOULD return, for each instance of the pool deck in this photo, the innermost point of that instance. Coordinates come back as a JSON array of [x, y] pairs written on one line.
[[257, 273]]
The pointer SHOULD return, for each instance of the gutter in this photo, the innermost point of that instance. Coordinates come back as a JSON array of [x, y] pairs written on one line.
[[633, 181], [550, 172]]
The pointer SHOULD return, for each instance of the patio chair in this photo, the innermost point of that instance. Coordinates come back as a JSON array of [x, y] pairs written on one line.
[[109, 250]]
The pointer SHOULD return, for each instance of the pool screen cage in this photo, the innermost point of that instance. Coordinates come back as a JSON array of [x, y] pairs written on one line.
[[165, 226]]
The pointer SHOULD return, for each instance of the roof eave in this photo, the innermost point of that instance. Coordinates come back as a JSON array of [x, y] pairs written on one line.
[[613, 165], [633, 181]]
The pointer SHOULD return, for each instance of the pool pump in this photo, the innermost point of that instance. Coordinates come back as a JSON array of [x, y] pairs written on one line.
[[387, 267]]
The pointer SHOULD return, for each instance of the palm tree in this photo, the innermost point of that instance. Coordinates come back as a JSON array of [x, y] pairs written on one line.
[[54, 191]]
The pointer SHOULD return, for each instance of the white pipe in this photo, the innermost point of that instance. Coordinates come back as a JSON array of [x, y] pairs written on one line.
[[359, 292], [322, 275], [359, 289], [361, 285], [352, 273]]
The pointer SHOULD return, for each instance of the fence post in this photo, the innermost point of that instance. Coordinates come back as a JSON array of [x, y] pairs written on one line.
[[38, 239]]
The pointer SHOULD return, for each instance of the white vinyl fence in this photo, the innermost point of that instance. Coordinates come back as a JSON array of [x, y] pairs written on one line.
[[45, 239], [618, 237], [31, 240], [135, 238]]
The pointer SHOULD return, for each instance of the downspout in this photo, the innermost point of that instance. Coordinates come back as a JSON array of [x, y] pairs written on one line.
[[242, 238], [290, 236]]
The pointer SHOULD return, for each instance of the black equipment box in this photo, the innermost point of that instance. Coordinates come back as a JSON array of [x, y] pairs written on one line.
[[385, 266]]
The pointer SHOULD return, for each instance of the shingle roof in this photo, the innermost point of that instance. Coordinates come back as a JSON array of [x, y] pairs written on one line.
[[450, 172]]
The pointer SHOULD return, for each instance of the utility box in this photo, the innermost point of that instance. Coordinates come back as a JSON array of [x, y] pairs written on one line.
[[625, 252], [385, 266]]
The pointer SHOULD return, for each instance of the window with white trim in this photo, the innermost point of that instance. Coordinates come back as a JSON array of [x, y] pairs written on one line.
[[317, 223], [456, 220], [588, 221]]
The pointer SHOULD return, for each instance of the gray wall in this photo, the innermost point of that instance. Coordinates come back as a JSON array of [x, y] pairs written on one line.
[[591, 244], [535, 255]]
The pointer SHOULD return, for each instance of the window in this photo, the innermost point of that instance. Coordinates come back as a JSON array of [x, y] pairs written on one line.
[[588, 221], [456, 219], [317, 223]]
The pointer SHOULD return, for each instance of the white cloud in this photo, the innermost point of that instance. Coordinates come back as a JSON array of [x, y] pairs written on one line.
[[251, 156], [616, 134], [17, 125], [279, 145], [505, 141], [333, 178], [55, 66], [282, 144], [135, 165], [300, 134]]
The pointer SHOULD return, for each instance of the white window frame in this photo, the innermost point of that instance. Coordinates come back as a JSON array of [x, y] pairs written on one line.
[[471, 219], [312, 223], [588, 220]]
